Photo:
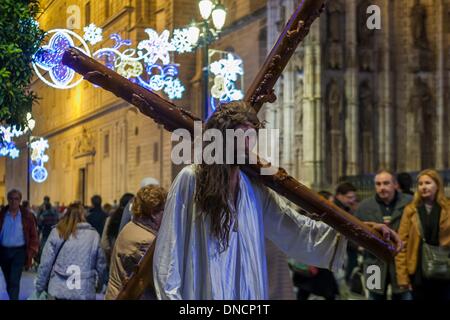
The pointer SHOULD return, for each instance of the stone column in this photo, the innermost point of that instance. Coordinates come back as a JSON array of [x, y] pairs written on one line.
[[440, 83], [410, 160], [351, 89], [386, 120], [273, 17], [287, 86], [313, 136]]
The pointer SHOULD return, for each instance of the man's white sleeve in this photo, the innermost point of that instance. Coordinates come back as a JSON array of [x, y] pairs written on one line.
[[308, 241]]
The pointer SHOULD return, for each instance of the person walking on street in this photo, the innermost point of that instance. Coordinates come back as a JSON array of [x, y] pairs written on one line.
[[72, 247], [135, 239], [47, 220], [19, 242], [385, 207], [425, 222], [97, 217], [111, 229]]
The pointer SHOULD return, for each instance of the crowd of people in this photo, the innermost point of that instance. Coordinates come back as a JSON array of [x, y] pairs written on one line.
[[421, 218], [210, 233], [59, 241]]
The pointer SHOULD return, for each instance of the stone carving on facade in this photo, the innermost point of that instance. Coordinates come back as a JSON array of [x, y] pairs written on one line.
[[335, 41], [334, 130], [366, 39], [367, 118], [297, 60], [422, 111], [84, 145], [419, 25], [366, 105], [334, 105], [422, 56], [298, 103]]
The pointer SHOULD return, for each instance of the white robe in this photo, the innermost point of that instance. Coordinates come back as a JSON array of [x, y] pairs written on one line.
[[188, 265]]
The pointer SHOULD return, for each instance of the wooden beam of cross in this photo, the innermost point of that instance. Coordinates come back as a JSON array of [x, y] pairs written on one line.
[[171, 117], [296, 29]]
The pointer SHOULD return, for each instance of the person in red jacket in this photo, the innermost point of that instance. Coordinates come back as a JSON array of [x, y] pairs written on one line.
[[19, 242]]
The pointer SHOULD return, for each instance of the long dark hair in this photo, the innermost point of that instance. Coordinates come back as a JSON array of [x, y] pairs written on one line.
[[116, 216], [213, 180]]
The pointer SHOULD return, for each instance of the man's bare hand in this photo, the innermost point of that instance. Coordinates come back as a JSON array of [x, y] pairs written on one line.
[[388, 234]]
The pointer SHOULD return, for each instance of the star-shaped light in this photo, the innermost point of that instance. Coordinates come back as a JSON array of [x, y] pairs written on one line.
[[228, 68], [157, 46]]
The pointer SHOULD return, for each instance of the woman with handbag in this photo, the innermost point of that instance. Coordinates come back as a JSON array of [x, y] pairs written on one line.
[[72, 263], [424, 263]]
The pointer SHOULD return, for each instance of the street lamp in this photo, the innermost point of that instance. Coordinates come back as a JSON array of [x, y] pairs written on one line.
[[203, 33]]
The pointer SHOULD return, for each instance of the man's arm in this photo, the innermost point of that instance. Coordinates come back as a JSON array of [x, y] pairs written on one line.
[[311, 242]]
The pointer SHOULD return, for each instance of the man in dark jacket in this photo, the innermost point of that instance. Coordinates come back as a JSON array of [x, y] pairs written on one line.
[[19, 242], [385, 207], [97, 216]]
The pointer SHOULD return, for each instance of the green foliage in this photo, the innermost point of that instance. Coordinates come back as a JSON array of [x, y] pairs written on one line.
[[20, 38]]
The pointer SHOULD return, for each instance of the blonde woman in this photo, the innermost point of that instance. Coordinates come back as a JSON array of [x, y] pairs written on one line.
[[72, 262], [430, 212], [135, 238]]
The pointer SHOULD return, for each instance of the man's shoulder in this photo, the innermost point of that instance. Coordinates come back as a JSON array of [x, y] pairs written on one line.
[[187, 174], [368, 203], [366, 208], [188, 171]]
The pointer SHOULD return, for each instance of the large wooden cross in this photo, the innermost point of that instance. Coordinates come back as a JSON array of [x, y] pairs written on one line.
[[171, 117]]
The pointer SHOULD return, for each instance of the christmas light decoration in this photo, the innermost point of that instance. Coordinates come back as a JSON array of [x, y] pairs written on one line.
[[229, 68], [182, 40], [8, 147], [148, 65], [227, 71], [174, 89], [48, 58], [92, 34], [157, 46], [38, 160]]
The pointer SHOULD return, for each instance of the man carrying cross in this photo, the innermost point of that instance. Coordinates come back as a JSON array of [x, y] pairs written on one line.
[[211, 241]]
